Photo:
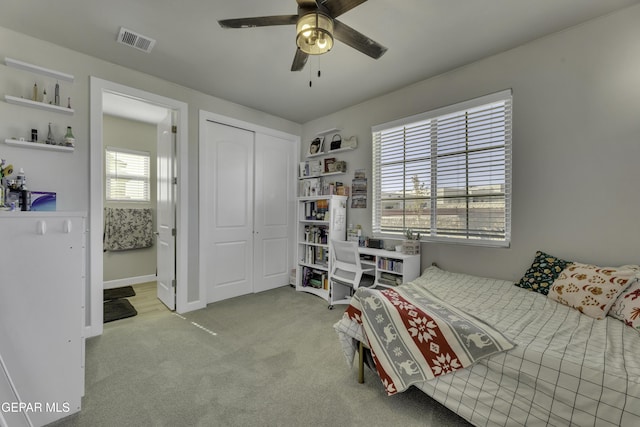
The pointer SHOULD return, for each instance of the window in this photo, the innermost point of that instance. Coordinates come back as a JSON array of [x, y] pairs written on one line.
[[446, 173], [127, 175]]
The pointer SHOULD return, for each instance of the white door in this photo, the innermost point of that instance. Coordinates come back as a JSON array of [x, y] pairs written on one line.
[[226, 197], [274, 207], [166, 253]]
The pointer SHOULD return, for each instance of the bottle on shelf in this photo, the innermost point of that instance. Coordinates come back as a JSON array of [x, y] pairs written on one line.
[[50, 139], [21, 179], [56, 99], [69, 139], [24, 195], [34, 96]]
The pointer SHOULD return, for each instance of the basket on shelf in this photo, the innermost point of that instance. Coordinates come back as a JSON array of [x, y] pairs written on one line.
[[411, 244]]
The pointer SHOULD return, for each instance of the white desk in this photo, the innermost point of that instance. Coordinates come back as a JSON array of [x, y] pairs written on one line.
[[391, 268]]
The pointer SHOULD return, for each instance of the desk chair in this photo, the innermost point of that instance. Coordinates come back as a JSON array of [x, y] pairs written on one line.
[[346, 271]]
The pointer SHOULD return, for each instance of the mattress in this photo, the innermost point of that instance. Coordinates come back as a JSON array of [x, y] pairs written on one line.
[[567, 369]]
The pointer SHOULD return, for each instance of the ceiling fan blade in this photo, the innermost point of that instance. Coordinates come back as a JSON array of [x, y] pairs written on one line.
[[260, 21], [356, 40], [338, 7], [299, 60]]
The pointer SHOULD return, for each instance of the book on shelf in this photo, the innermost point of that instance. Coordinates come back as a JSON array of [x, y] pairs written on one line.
[[389, 279], [311, 168], [316, 234], [314, 278], [316, 255], [390, 264], [316, 210]]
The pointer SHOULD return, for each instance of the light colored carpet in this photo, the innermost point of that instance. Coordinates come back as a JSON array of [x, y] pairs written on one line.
[[267, 359]]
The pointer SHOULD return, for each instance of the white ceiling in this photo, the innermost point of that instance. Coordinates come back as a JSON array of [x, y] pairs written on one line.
[[251, 66]]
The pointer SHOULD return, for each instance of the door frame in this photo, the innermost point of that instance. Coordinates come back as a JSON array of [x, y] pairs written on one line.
[[95, 285], [205, 116]]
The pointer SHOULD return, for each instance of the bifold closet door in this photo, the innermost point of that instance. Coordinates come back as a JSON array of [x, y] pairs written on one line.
[[226, 207], [274, 211]]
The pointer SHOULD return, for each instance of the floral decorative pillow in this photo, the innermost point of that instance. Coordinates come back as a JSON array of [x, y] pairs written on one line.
[[627, 305], [590, 289], [542, 273]]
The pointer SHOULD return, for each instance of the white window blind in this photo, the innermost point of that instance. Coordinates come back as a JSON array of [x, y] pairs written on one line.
[[127, 175], [446, 173]]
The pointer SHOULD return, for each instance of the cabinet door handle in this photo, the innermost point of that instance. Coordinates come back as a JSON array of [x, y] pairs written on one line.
[[66, 226], [41, 227]]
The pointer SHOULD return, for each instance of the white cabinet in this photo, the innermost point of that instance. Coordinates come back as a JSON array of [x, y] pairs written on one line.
[[391, 268], [320, 218], [42, 270]]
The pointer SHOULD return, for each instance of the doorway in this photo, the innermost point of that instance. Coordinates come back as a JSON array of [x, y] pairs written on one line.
[[139, 200], [177, 256]]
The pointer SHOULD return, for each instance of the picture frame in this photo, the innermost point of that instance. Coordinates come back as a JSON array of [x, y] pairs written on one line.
[[316, 146], [330, 165]]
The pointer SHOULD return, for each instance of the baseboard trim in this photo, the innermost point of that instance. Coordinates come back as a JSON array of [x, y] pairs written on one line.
[[128, 281]]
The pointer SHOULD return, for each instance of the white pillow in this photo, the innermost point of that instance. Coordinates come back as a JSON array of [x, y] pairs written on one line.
[[590, 289]]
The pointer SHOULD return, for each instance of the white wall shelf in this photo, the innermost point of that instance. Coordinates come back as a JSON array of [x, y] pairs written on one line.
[[338, 150], [38, 145], [14, 63], [321, 175], [35, 104]]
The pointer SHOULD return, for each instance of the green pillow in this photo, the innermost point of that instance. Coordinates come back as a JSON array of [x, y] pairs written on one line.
[[542, 273]]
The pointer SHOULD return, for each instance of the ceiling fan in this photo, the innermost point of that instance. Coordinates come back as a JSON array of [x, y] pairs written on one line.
[[316, 28]]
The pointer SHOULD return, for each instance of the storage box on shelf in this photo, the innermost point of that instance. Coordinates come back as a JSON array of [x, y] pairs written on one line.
[[320, 218], [411, 247]]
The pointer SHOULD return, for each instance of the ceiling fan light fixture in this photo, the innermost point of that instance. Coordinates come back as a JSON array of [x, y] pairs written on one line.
[[314, 33]]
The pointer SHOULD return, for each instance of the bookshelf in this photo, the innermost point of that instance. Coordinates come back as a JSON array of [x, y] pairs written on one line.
[[391, 268], [320, 218]]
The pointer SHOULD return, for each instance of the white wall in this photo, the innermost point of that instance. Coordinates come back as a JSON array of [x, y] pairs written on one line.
[[68, 174], [576, 144], [576, 138]]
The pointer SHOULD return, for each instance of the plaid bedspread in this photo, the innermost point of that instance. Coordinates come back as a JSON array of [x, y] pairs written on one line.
[[415, 336]]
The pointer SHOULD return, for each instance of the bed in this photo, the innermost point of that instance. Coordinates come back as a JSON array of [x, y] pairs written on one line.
[[564, 368]]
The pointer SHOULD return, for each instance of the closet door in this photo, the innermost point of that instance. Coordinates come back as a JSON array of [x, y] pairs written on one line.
[[274, 207], [226, 197]]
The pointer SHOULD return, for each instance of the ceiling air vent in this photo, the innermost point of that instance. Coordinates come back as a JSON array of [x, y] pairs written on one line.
[[136, 40]]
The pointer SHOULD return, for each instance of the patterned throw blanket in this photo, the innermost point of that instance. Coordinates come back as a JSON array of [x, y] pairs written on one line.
[[127, 228], [414, 336]]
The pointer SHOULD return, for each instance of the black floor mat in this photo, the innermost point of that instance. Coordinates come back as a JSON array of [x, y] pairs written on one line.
[[116, 293], [117, 309]]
